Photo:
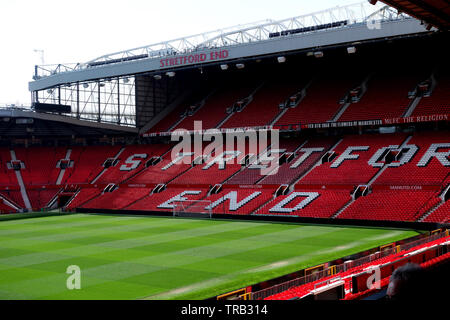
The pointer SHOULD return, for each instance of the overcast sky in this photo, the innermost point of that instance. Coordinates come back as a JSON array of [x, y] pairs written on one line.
[[78, 31]]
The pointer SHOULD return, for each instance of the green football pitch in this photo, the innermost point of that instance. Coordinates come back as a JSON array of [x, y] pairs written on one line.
[[130, 257]]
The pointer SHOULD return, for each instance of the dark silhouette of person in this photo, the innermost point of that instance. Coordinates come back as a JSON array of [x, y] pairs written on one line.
[[408, 282]]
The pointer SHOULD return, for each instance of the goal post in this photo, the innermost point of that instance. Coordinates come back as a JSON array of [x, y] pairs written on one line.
[[192, 208]]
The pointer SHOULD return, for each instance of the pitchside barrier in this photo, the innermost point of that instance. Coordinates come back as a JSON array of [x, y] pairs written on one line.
[[318, 274]]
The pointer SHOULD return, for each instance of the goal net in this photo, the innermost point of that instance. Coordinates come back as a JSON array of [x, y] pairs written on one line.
[[192, 208]]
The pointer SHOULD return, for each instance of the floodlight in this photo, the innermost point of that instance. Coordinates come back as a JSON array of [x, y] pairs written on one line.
[[157, 77], [318, 54], [224, 66], [281, 59], [351, 50], [170, 74], [240, 66]]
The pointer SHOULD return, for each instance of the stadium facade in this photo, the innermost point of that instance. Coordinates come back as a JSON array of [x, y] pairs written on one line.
[[359, 95]]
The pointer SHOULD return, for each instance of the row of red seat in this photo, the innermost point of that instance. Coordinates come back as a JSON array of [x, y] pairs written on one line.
[[389, 205], [308, 203], [214, 110], [438, 102], [394, 205], [386, 264], [5, 208], [40, 164], [386, 97], [441, 214], [351, 163], [264, 106], [163, 201], [318, 107], [354, 161], [118, 199], [7, 177]]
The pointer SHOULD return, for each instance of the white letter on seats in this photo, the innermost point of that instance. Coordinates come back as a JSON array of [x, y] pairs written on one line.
[[431, 152], [134, 163], [307, 152], [347, 155], [232, 196], [407, 156], [221, 159], [373, 161], [180, 197], [310, 196], [178, 158]]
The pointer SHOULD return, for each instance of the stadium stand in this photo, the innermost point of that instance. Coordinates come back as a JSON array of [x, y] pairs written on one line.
[[14, 196], [441, 214], [264, 107], [318, 107], [214, 111], [39, 199], [219, 166], [404, 172], [7, 175], [131, 161], [163, 201], [354, 275], [427, 161], [88, 163], [305, 157], [7, 205], [5, 208], [386, 96], [438, 101], [40, 164], [360, 143], [180, 112], [253, 171], [117, 199], [350, 163], [163, 172], [394, 205], [308, 203], [83, 196], [239, 201], [207, 175]]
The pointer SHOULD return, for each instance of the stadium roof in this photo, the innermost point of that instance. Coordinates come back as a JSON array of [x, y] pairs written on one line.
[[434, 12], [52, 124], [342, 24]]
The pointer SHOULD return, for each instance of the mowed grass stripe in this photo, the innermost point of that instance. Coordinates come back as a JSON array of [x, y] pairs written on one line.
[[158, 256], [97, 244], [97, 275], [33, 230], [163, 267], [75, 231], [263, 265]]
